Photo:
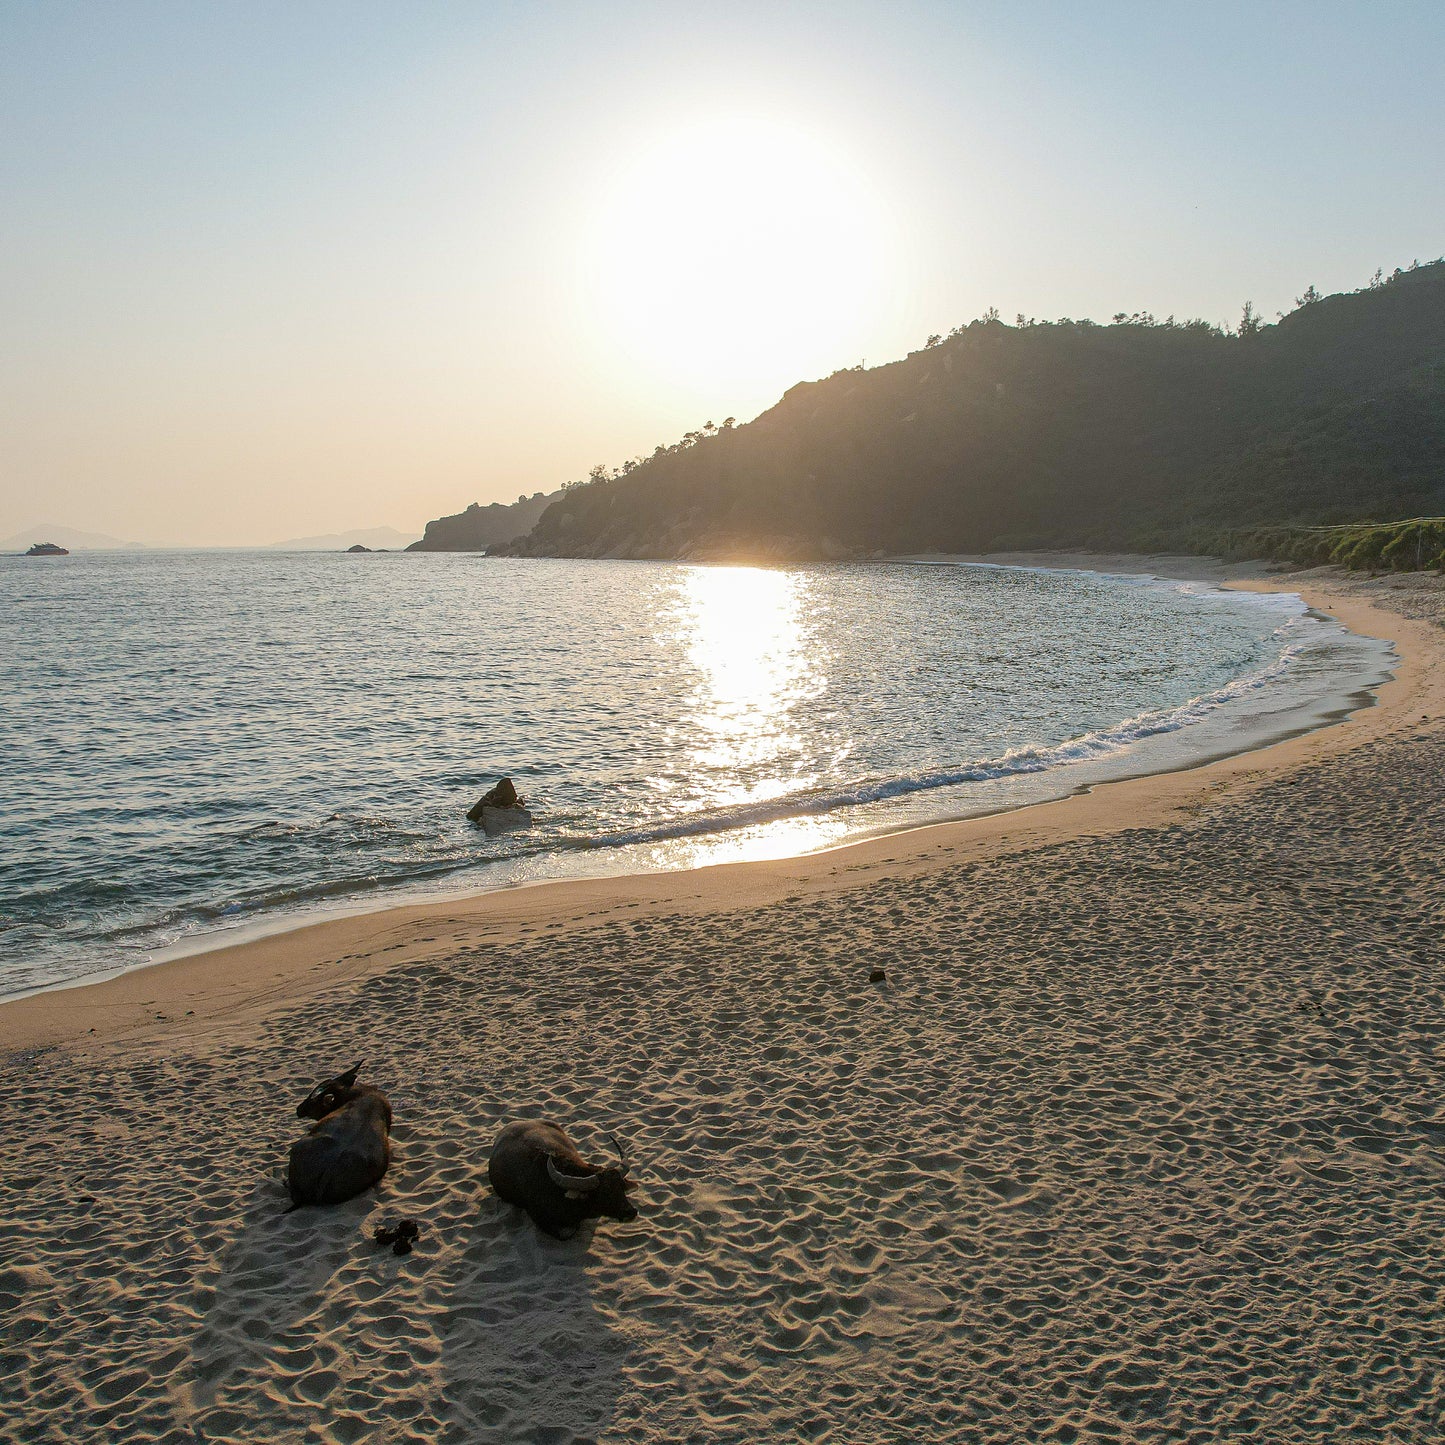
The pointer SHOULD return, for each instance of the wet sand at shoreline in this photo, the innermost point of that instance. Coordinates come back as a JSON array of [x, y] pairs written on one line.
[[1141, 1139]]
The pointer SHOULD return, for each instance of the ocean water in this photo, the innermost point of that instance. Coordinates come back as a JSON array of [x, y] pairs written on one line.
[[193, 745]]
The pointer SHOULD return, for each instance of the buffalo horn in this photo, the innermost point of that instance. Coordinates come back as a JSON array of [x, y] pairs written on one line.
[[621, 1152], [582, 1183]]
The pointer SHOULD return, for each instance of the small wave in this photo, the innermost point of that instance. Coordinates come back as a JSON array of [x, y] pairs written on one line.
[[360, 824], [265, 899], [270, 827]]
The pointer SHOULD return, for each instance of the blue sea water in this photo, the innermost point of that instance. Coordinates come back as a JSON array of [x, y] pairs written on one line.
[[192, 744]]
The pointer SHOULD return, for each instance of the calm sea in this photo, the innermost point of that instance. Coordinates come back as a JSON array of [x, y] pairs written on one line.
[[192, 744]]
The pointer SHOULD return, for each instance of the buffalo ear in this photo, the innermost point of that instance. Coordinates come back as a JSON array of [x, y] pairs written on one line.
[[346, 1080]]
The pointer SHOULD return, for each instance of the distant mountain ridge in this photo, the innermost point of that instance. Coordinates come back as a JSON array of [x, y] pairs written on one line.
[[376, 538], [1135, 434], [71, 537]]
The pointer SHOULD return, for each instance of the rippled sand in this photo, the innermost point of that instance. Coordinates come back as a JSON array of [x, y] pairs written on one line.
[[1142, 1139]]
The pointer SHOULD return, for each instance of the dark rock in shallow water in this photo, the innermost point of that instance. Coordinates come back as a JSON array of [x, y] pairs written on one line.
[[878, 976], [504, 795], [500, 810], [505, 820]]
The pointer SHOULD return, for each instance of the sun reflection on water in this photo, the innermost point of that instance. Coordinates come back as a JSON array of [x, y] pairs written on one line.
[[744, 631], [749, 640], [782, 838]]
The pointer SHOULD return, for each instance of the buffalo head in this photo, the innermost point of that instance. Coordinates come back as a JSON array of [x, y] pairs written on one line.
[[604, 1191], [329, 1095]]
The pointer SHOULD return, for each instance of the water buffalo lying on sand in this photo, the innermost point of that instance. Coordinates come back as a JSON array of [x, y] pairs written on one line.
[[347, 1150], [535, 1166]]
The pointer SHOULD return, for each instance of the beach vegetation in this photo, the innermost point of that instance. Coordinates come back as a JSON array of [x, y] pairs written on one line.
[[1416, 544]]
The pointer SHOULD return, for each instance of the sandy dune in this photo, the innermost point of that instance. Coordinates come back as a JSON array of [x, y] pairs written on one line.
[[1143, 1138]]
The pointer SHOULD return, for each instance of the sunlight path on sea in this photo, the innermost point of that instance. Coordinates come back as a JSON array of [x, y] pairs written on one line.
[[747, 633]]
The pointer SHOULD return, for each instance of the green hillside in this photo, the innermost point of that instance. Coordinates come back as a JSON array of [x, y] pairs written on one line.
[[1137, 433]]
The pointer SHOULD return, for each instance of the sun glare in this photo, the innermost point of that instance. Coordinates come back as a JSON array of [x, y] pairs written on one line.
[[738, 252], [755, 661], [744, 637]]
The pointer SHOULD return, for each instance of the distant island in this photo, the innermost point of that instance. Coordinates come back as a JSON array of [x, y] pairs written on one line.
[[1137, 434], [369, 539]]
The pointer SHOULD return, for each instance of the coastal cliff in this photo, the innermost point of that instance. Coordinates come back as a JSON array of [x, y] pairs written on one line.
[[479, 528], [1136, 434]]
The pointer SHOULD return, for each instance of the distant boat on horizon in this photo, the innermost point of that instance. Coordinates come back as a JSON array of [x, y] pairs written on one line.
[[48, 549]]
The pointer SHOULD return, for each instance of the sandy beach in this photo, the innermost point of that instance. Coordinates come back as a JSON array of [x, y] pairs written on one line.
[[1142, 1138]]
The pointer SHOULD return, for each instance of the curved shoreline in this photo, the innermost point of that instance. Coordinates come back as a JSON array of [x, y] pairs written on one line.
[[228, 987], [1065, 692], [1019, 778], [1146, 755]]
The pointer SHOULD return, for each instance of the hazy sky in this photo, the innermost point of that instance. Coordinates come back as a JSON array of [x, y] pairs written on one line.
[[278, 269]]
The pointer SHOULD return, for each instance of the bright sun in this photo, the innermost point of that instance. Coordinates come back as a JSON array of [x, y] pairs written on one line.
[[739, 252]]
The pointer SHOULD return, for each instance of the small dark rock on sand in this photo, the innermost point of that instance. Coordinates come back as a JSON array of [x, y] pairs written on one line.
[[877, 976], [400, 1236]]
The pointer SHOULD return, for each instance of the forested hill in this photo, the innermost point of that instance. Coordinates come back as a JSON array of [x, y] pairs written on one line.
[[1132, 434]]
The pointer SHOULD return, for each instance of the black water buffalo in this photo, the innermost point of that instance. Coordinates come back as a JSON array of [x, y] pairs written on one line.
[[347, 1150], [535, 1166]]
